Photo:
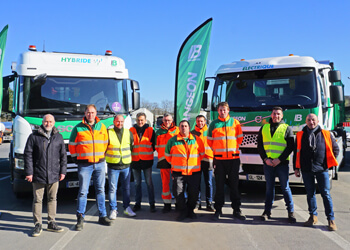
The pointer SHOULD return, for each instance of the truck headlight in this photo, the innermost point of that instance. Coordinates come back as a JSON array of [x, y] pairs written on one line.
[[19, 164]]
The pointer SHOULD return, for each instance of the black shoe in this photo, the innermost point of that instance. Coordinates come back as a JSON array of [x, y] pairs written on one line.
[[182, 216], [265, 216], [192, 215], [238, 214], [80, 223], [137, 207], [37, 230], [291, 217], [53, 227], [217, 215], [152, 208], [210, 207], [104, 221], [166, 208]]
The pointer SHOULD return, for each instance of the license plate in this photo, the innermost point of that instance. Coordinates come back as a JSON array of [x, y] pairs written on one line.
[[255, 177], [7, 138], [74, 184]]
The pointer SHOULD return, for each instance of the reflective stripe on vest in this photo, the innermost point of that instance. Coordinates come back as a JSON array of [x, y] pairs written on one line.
[[274, 146], [142, 149], [117, 150], [331, 160]]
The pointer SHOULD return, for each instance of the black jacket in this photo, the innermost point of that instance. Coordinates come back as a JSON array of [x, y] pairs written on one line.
[[288, 137], [314, 160], [45, 158]]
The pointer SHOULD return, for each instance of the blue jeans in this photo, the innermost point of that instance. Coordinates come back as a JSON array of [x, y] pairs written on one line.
[[98, 173], [324, 187], [208, 181], [282, 172], [148, 179], [113, 177]]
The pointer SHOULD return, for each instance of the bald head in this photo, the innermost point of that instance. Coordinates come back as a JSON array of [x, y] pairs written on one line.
[[48, 122], [311, 121]]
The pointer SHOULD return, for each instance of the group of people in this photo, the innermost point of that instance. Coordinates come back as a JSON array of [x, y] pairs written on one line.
[[183, 156]]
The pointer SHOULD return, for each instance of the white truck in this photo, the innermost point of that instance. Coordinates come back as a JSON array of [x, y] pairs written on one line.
[[299, 84], [62, 84]]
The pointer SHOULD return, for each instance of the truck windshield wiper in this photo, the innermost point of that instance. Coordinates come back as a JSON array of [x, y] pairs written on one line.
[[46, 111], [294, 106]]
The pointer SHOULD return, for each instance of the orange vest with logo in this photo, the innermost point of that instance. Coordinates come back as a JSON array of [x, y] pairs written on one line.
[[204, 137]]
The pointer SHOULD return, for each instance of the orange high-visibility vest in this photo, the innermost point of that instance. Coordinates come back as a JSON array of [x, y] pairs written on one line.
[[204, 137], [163, 136], [331, 160], [224, 138], [142, 149], [88, 144], [185, 155]]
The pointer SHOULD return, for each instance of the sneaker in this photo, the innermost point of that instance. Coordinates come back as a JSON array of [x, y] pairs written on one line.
[[53, 227], [217, 215], [113, 215], [198, 206], [136, 208], [152, 208], [167, 208], [210, 207], [128, 211], [104, 221], [265, 216], [37, 230], [237, 213], [80, 223], [332, 226], [311, 221], [291, 218]]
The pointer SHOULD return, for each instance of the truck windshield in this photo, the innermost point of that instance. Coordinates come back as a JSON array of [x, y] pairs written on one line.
[[69, 96], [261, 90]]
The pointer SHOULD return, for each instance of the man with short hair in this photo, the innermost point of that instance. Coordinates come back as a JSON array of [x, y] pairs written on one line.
[[118, 158], [201, 130], [166, 131], [315, 152], [275, 143], [184, 152], [142, 160], [224, 137], [45, 164], [87, 145]]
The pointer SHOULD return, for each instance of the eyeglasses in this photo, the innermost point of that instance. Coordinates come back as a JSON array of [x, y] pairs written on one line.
[[168, 120]]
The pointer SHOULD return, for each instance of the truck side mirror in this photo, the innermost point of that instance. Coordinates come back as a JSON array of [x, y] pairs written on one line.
[[205, 101], [336, 94], [134, 85], [135, 100], [206, 85], [334, 76]]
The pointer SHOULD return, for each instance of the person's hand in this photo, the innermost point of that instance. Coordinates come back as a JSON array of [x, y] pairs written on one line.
[[269, 162], [29, 178], [275, 162], [62, 176], [297, 172]]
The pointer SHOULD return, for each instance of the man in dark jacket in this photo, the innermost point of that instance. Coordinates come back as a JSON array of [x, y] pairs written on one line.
[[275, 143], [315, 152], [45, 164]]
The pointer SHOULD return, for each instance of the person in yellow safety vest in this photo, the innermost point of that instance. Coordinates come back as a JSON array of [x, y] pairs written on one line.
[[142, 160], [87, 145], [184, 152], [315, 152], [201, 130], [166, 131], [118, 158], [275, 143], [224, 137]]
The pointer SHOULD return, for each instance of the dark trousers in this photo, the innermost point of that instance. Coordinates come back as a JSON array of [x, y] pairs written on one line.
[[227, 169], [180, 182]]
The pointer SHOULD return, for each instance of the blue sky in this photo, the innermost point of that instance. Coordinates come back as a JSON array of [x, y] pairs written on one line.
[[148, 34]]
